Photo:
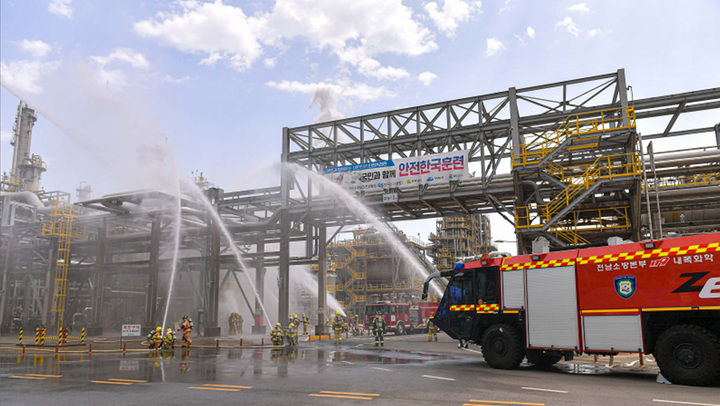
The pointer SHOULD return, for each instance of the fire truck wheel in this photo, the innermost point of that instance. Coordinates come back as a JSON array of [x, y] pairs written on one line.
[[502, 346], [689, 355], [400, 329]]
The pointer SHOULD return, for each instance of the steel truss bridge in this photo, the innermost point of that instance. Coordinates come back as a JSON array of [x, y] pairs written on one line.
[[566, 161]]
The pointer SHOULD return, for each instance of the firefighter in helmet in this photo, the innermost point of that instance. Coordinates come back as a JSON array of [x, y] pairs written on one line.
[[276, 335], [232, 323], [155, 338], [305, 324], [378, 326], [169, 340], [432, 328], [186, 327], [338, 325], [291, 335]]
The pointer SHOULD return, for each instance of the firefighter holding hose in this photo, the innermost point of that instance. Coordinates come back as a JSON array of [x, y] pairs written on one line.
[[186, 327]]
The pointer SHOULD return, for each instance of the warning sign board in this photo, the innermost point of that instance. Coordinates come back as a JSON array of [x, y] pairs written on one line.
[[131, 330]]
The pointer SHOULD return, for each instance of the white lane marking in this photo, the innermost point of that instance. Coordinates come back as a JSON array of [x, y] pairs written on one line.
[[685, 403], [438, 377], [382, 369], [348, 362], [544, 390]]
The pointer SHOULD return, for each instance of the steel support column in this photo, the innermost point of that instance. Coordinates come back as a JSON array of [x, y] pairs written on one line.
[[47, 319], [259, 314], [5, 285], [152, 280], [212, 272], [96, 328], [321, 328], [284, 260]]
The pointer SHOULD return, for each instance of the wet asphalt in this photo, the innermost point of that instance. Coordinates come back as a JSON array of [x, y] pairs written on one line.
[[407, 370]]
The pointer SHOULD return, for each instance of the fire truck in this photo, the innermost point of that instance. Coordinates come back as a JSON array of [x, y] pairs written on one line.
[[659, 297], [401, 318]]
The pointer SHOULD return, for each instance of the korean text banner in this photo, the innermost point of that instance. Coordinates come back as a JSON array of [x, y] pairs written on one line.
[[402, 173]]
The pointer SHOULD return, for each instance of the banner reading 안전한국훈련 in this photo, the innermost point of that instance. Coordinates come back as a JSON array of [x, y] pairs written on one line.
[[402, 173]]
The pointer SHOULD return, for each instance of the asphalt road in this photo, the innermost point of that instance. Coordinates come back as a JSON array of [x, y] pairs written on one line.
[[406, 371]]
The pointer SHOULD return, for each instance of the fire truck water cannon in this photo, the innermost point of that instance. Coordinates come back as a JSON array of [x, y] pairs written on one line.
[[659, 297]]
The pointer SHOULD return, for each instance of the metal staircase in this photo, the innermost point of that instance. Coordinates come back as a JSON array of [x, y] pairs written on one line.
[[564, 162]]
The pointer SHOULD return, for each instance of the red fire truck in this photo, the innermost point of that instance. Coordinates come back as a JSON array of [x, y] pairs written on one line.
[[659, 297], [401, 318]]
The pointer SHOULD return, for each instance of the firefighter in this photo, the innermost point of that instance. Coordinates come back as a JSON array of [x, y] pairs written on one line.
[[169, 339], [186, 327], [276, 335], [305, 324], [432, 328], [291, 335], [232, 322], [155, 338], [378, 326], [338, 325], [239, 325]]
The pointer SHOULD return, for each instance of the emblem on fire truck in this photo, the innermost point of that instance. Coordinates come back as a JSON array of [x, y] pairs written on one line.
[[625, 286]]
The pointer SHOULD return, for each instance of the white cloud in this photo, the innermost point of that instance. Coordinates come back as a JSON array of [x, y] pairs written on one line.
[[493, 46], [134, 58], [569, 24], [427, 77], [530, 32], [35, 48], [24, 75], [61, 7], [580, 7], [594, 32], [347, 28], [169, 79], [270, 62], [453, 12], [221, 31]]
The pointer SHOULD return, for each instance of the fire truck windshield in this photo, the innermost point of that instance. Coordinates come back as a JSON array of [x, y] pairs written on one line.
[[372, 310]]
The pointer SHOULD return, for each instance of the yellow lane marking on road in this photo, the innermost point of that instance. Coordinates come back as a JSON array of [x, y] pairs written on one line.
[[125, 380], [46, 376], [113, 383], [25, 377], [340, 396], [505, 403], [209, 388], [228, 386], [350, 393]]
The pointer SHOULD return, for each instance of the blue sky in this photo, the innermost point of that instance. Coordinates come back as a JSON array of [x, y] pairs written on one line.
[[127, 89]]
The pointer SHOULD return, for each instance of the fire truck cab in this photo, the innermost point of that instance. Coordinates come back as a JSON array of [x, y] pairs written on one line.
[[659, 297]]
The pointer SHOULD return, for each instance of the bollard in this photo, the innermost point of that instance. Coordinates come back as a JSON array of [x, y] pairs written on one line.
[[90, 351], [42, 336], [262, 342], [37, 335], [217, 343], [642, 360], [59, 335], [20, 337], [56, 348], [82, 336], [241, 342], [124, 348]]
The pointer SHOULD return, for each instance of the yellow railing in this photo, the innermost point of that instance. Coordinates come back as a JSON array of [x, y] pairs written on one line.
[[607, 167], [704, 179], [575, 125]]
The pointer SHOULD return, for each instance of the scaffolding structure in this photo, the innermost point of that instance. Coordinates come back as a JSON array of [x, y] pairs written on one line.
[[459, 236], [368, 269]]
